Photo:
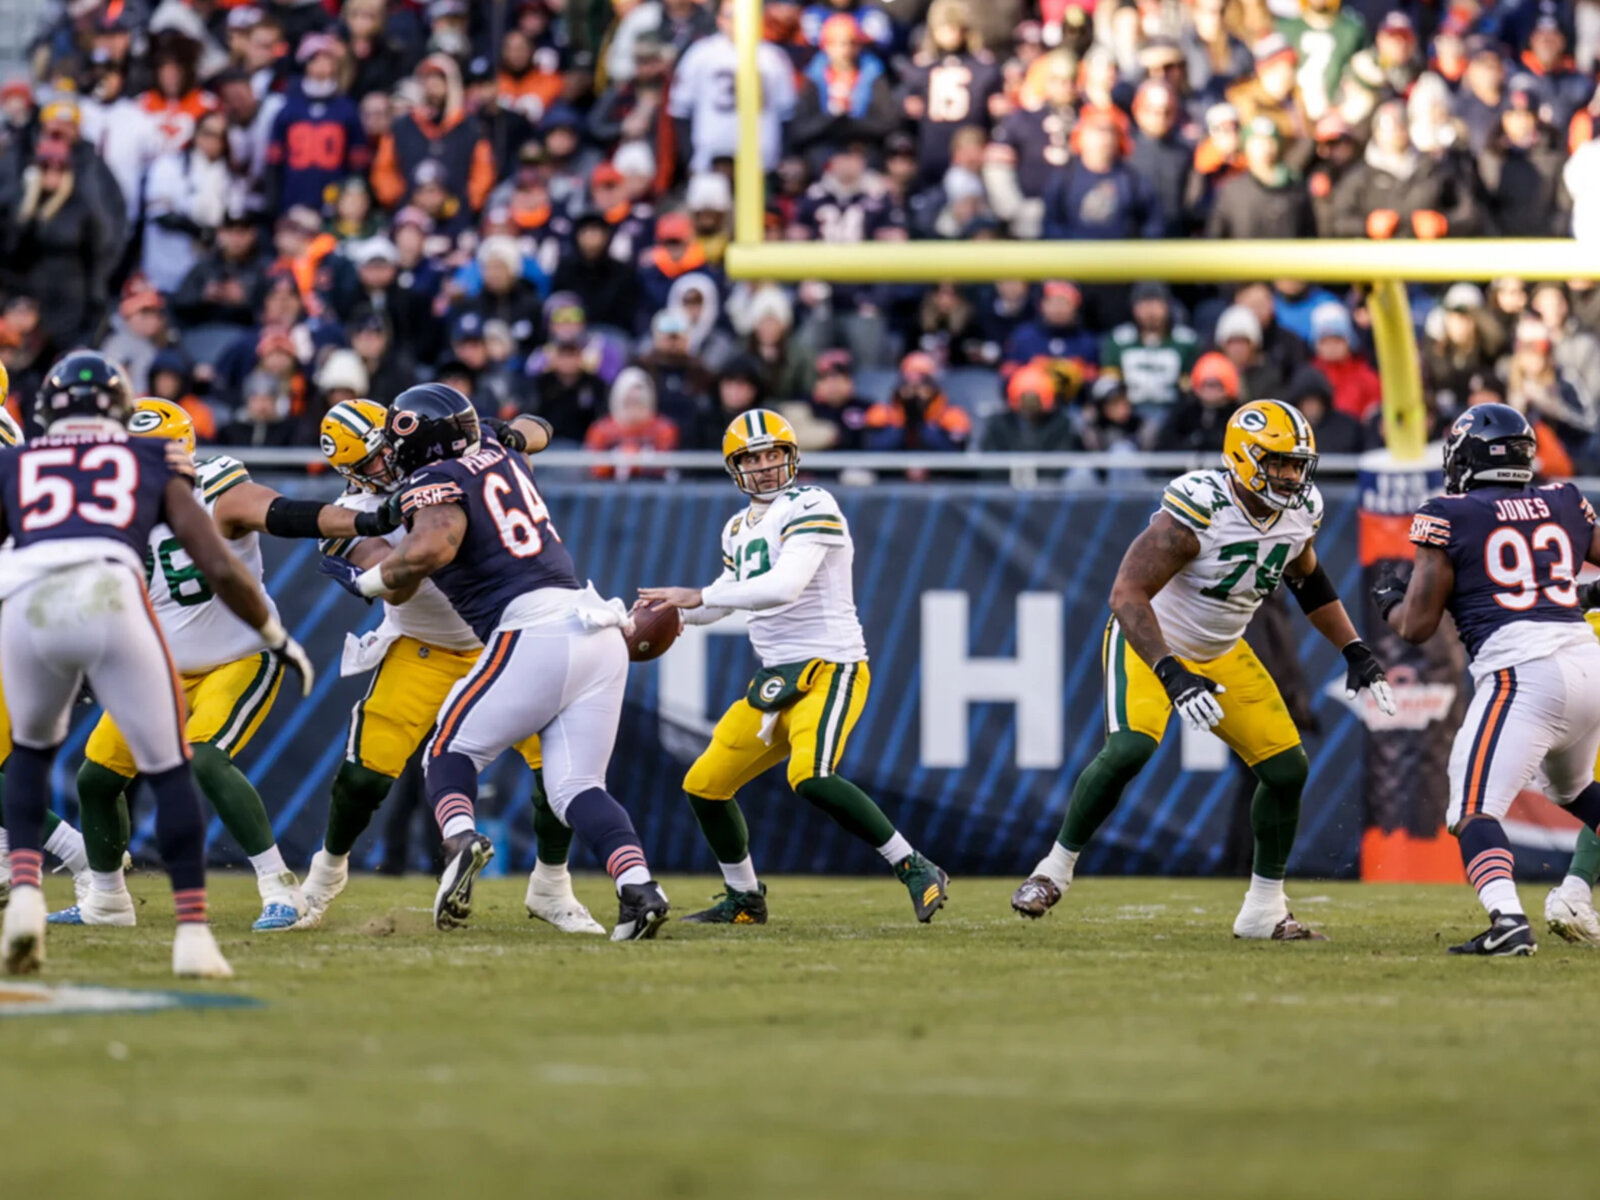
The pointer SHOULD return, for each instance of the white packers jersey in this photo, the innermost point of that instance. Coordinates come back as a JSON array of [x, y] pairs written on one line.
[[1205, 607], [822, 623], [427, 616], [201, 630]]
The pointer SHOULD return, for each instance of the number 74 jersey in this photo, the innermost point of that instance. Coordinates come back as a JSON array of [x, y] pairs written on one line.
[[1206, 606]]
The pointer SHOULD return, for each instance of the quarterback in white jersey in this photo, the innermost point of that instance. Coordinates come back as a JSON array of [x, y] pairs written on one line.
[[417, 654], [1186, 589], [230, 680], [786, 560]]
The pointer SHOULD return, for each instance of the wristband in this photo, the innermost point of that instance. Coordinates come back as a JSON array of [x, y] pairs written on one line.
[[370, 582], [288, 518], [1165, 667]]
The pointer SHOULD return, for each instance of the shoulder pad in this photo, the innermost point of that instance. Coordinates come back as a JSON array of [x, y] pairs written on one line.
[[216, 475], [1431, 525], [1194, 499]]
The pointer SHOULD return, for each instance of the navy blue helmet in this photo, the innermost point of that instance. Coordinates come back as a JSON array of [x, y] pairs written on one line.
[[84, 383], [430, 423], [1490, 445]]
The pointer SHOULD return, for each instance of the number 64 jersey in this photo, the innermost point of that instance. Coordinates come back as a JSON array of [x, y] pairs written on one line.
[[1516, 553], [1205, 607]]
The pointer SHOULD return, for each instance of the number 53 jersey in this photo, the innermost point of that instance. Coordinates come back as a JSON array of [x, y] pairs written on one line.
[[1206, 606], [1516, 553]]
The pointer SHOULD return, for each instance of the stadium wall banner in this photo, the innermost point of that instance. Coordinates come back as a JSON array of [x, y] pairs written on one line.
[[984, 609]]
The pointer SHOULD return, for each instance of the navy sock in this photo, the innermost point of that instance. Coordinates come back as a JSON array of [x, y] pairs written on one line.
[[1587, 806], [1486, 851], [452, 791], [604, 825], [180, 829], [28, 796]]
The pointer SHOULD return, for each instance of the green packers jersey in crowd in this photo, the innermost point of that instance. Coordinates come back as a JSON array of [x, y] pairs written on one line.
[[1152, 371]]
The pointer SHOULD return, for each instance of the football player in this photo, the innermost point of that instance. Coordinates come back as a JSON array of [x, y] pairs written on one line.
[[82, 503], [419, 652], [554, 661], [230, 679], [1502, 556], [1187, 587], [786, 560], [1569, 907]]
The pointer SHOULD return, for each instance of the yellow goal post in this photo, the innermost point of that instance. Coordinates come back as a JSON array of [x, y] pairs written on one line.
[[1383, 267]]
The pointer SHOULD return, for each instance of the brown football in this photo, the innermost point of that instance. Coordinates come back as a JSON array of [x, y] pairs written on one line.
[[654, 630]]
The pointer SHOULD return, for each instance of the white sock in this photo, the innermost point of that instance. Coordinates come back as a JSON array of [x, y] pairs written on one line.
[[895, 849], [66, 843], [333, 860], [741, 876], [1500, 895], [1577, 890], [458, 824], [108, 881], [5, 843], [1058, 865], [555, 873], [632, 875], [1265, 892], [269, 863]]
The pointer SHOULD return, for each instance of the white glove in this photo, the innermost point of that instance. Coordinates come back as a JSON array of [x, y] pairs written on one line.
[[292, 655]]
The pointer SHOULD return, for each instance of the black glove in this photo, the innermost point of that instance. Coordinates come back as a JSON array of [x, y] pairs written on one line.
[[508, 437], [1365, 671], [1194, 696], [1589, 595], [381, 520], [1389, 591]]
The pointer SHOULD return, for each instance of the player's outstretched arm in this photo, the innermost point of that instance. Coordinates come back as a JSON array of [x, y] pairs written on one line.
[[251, 507], [1313, 591], [796, 567], [229, 578], [434, 541], [1413, 610], [1155, 556], [525, 434]]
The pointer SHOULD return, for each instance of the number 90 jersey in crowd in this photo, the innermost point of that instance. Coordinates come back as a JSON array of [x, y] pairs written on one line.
[[510, 548], [81, 497], [1206, 606], [201, 630], [1516, 552]]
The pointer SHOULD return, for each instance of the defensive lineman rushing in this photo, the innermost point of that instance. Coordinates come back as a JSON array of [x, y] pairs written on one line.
[[1502, 557], [419, 652], [786, 560], [1184, 593], [81, 503], [554, 662], [229, 675]]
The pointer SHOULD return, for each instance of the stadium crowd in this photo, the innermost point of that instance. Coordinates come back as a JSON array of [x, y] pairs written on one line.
[[265, 208]]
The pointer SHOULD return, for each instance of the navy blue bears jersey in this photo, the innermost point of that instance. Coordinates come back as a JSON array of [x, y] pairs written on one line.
[[101, 485], [1516, 552], [510, 548]]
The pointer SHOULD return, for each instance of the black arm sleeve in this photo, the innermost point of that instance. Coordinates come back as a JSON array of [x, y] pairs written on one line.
[[288, 518], [1312, 592]]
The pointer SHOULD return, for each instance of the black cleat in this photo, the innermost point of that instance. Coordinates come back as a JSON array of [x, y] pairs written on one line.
[[641, 910], [464, 856], [926, 882], [734, 907], [1508, 936]]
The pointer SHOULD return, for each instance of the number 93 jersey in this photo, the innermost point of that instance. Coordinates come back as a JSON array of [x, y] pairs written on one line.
[[1516, 553], [1205, 607]]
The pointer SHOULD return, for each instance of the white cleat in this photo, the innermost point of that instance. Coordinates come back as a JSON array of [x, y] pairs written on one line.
[[282, 903], [95, 907], [324, 881], [1572, 919], [22, 934], [556, 904], [196, 955], [1272, 922]]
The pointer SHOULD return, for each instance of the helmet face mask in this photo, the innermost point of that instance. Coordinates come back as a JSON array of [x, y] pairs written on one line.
[[1271, 452], [1490, 445], [751, 434], [1286, 478]]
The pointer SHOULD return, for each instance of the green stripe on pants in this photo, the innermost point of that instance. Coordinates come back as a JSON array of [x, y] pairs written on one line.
[[244, 711], [819, 766]]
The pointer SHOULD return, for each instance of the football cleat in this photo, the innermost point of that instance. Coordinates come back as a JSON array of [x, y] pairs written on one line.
[[734, 907], [1509, 936], [1037, 896], [1572, 919], [464, 856], [324, 881], [555, 904], [641, 910], [98, 908], [22, 933], [927, 883], [196, 955], [1272, 923], [282, 903]]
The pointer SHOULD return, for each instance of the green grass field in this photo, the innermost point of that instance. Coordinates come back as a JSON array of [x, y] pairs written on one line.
[[1125, 1046]]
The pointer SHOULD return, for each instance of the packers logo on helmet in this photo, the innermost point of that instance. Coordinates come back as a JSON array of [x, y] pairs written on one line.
[[154, 417], [354, 444], [1271, 453], [760, 429]]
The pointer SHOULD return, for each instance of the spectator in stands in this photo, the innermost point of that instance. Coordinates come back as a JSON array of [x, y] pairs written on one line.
[[1058, 334], [1031, 142], [317, 138], [264, 418], [565, 390], [1214, 56], [1536, 385], [1336, 151], [1462, 341], [505, 293], [675, 254], [837, 414], [172, 378], [1198, 422], [701, 108], [220, 286], [386, 367], [1267, 199], [1575, 350], [1152, 353], [1033, 420], [1218, 158], [1481, 94], [1160, 155], [602, 282], [1508, 303], [684, 385], [1112, 425], [377, 59], [1396, 192], [917, 415], [845, 95], [767, 319], [1521, 169], [738, 388], [439, 130], [342, 376], [1562, 88], [1281, 346], [1336, 432], [1238, 337], [631, 424], [186, 195], [139, 333], [1274, 92], [634, 110], [951, 82], [1356, 391], [1096, 195], [1326, 38], [999, 309]]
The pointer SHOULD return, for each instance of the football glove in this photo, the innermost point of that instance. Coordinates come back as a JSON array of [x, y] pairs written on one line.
[[291, 654], [508, 437], [345, 573], [1194, 696], [1589, 595], [380, 521], [1365, 671], [1389, 591]]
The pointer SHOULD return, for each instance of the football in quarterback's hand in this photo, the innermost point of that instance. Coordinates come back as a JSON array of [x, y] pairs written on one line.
[[654, 630]]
